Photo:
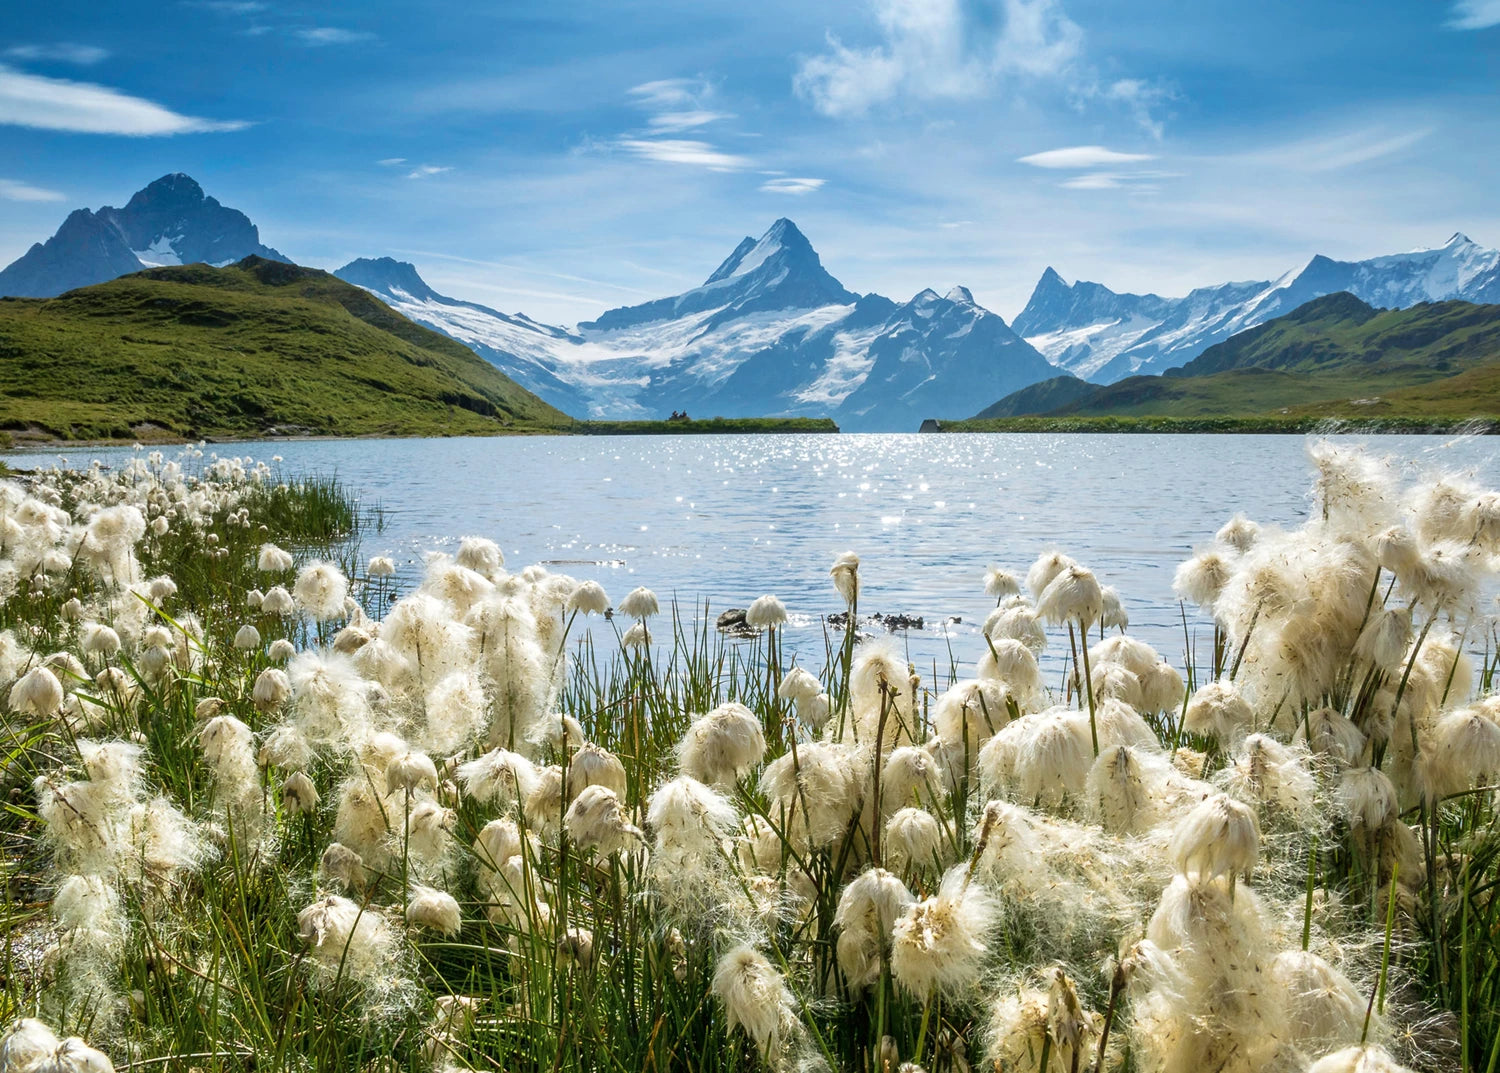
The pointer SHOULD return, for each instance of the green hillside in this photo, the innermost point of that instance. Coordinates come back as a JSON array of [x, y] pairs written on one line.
[[256, 348], [1333, 357]]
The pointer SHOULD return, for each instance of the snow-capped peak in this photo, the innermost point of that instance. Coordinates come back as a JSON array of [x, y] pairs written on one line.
[[750, 254], [960, 296]]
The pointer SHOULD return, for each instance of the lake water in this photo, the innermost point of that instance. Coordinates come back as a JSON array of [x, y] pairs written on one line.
[[727, 518]]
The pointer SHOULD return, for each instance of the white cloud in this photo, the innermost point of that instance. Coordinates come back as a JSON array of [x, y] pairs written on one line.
[[791, 186], [28, 100], [1334, 152], [62, 52], [11, 190], [391, 161], [422, 171], [940, 49], [1475, 14], [331, 35], [688, 120], [669, 92], [1082, 156], [683, 151], [230, 7]]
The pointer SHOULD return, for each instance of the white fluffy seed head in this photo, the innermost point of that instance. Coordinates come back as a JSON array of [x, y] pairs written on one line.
[[1218, 710], [765, 613], [589, 598], [596, 820], [37, 693], [320, 591], [722, 746], [867, 912], [1221, 836], [756, 998], [845, 576], [1367, 797], [938, 944], [499, 776], [273, 560], [639, 603], [437, 910]]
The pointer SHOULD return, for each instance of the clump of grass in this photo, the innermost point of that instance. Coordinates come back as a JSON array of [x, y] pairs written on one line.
[[259, 823]]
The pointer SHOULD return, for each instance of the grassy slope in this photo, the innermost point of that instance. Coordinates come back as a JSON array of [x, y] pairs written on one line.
[[1333, 357], [255, 348]]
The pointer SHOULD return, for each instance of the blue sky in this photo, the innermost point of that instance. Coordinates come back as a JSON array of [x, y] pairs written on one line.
[[559, 159]]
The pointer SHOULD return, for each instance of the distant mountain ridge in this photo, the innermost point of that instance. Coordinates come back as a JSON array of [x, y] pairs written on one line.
[[770, 332], [169, 222], [1334, 354], [1103, 336]]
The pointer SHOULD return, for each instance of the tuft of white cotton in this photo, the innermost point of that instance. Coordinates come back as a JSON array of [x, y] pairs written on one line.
[[722, 746], [865, 917], [638, 636], [499, 776], [437, 910], [1324, 1008], [1386, 636], [916, 841], [1000, 583], [299, 794], [340, 864], [273, 560], [1329, 733], [689, 821], [815, 791], [1264, 770], [1218, 710], [345, 939], [272, 689], [798, 685], [911, 776], [98, 639], [27, 1046], [639, 604], [596, 820], [756, 998], [1019, 623], [1045, 569], [247, 638], [480, 555], [1202, 578], [588, 598], [1221, 836], [277, 601], [1465, 751], [37, 693], [1074, 595], [845, 576], [765, 613], [381, 566], [1367, 797], [320, 590], [593, 765], [938, 944], [1239, 533]]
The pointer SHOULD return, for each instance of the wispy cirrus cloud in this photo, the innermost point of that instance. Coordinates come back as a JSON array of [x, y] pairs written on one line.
[[1082, 156], [677, 106], [1118, 180], [59, 52], [391, 161], [12, 190], [683, 151], [424, 171], [28, 100], [1333, 152], [1474, 14], [792, 186], [317, 36]]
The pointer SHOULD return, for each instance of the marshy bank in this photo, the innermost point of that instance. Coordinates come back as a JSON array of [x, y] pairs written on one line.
[[479, 826]]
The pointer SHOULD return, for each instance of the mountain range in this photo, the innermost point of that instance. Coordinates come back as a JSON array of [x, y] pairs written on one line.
[[1334, 356], [771, 332], [170, 222], [1100, 335]]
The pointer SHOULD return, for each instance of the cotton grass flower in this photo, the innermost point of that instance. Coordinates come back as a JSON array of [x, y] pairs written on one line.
[[499, 776], [845, 576], [588, 598], [722, 746], [765, 613], [1218, 710], [1221, 836], [865, 917], [756, 999], [436, 910], [299, 795], [381, 566], [596, 820], [247, 638], [273, 560], [938, 944], [1000, 583], [639, 604], [346, 940], [320, 591], [37, 693]]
